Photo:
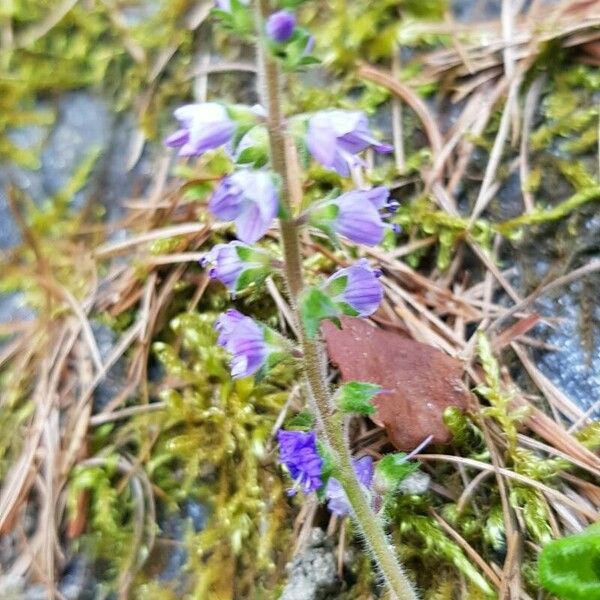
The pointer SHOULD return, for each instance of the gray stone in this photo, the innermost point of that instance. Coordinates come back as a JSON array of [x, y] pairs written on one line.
[[415, 484], [312, 574], [83, 125], [116, 378]]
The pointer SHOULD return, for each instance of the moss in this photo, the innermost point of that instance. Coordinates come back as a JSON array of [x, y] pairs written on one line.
[[87, 49], [214, 444]]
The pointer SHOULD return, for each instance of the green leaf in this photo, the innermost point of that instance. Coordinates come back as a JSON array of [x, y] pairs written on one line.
[[327, 470], [250, 276], [570, 567], [356, 396], [316, 306], [337, 286], [392, 469], [304, 421], [239, 19], [346, 309], [244, 253]]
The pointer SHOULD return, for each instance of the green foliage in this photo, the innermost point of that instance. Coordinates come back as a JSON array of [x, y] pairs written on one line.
[[304, 421], [534, 510], [541, 215], [86, 49], [293, 53], [420, 219], [500, 399], [494, 530], [316, 306], [109, 513], [571, 115], [427, 538], [238, 20], [352, 31], [356, 397], [215, 425], [570, 567], [393, 469], [465, 434], [589, 436]]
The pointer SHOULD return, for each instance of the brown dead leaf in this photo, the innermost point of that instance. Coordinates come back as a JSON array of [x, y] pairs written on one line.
[[420, 380]]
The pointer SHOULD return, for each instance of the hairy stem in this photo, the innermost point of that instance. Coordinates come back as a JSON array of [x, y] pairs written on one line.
[[314, 361]]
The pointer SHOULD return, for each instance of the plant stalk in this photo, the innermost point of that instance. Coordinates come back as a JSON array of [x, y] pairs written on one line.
[[313, 355]]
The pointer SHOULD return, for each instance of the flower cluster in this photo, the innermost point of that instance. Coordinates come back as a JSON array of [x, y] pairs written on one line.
[[249, 197], [299, 454]]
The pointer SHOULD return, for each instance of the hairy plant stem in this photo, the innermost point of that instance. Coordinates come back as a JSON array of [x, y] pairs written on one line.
[[313, 355]]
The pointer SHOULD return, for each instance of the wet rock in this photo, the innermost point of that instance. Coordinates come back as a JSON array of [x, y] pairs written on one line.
[[420, 381], [78, 581], [14, 308], [570, 314], [83, 125], [473, 11], [312, 574], [415, 484], [170, 554], [116, 378], [575, 366], [30, 181]]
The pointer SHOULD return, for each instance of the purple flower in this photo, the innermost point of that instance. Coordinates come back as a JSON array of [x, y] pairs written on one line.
[[355, 215], [335, 136], [230, 261], [338, 502], [250, 200], [298, 452], [245, 340], [203, 127], [355, 289], [280, 26]]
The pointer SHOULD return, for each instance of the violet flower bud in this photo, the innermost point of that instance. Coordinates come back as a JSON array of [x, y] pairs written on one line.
[[338, 502], [354, 215], [336, 136], [236, 264], [203, 127], [252, 345], [298, 453], [280, 26], [250, 200], [356, 290]]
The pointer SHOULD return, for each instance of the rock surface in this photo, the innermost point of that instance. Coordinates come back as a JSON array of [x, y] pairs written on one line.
[[420, 381], [312, 573]]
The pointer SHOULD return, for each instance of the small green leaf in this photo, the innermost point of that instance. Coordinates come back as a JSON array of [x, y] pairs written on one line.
[[238, 19], [356, 396], [250, 276], [570, 567], [304, 421], [337, 286], [392, 469], [346, 309], [327, 470], [316, 306]]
